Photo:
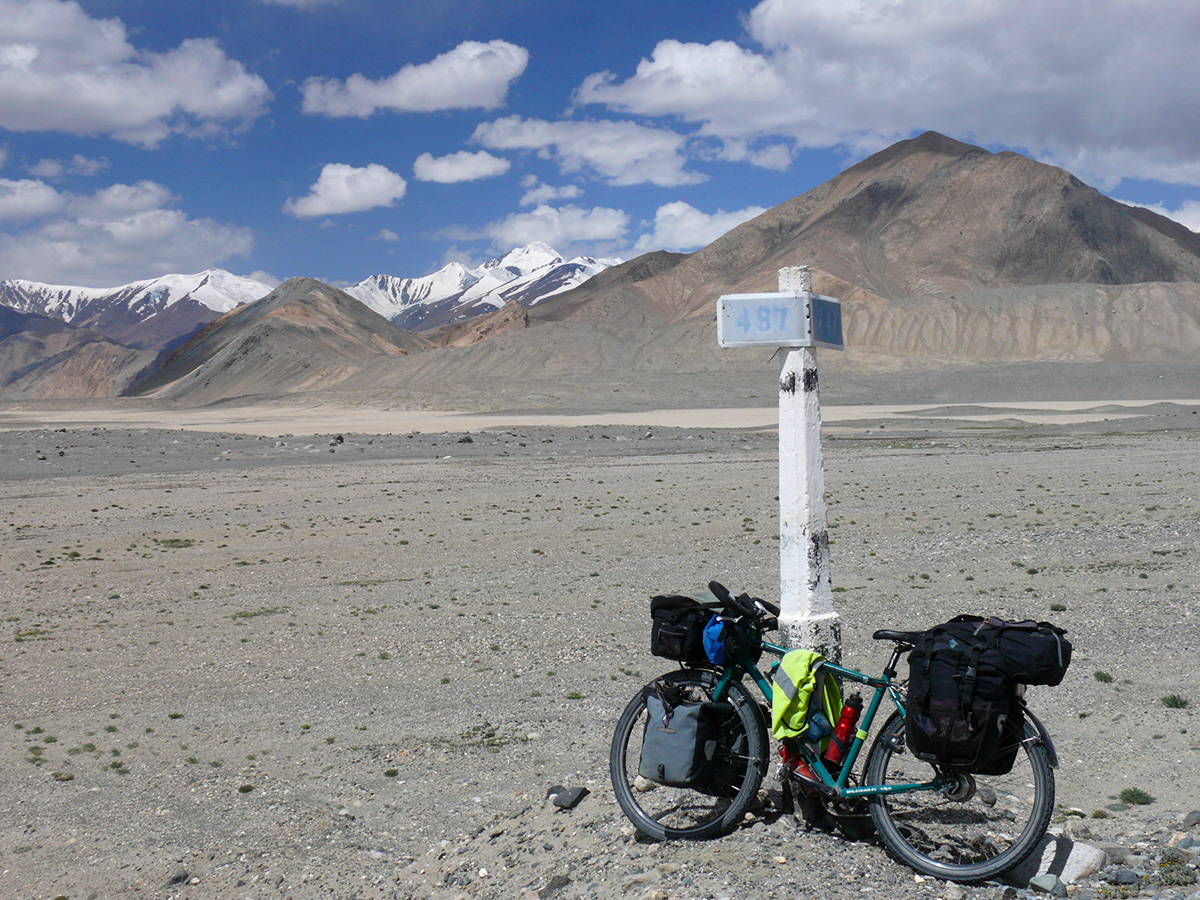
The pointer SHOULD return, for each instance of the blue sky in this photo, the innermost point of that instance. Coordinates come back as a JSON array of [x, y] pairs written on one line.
[[343, 138]]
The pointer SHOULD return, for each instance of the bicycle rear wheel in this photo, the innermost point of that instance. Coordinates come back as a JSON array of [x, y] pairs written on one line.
[[977, 827], [667, 813]]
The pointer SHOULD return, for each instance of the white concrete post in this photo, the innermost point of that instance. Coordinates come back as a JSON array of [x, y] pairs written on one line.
[[807, 617]]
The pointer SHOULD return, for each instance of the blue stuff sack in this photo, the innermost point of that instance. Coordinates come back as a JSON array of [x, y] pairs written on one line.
[[714, 641], [818, 728]]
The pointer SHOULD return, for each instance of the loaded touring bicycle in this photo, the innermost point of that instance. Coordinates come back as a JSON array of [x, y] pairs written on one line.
[[956, 775]]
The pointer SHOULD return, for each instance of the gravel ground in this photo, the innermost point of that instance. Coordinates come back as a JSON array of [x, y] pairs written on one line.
[[353, 666]]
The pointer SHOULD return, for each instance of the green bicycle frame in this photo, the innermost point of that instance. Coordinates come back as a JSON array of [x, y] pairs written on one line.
[[881, 686]]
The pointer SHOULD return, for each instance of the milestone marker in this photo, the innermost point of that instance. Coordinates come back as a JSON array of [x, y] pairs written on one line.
[[796, 320], [785, 319]]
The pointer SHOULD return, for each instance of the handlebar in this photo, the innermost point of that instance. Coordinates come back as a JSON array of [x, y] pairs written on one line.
[[756, 610]]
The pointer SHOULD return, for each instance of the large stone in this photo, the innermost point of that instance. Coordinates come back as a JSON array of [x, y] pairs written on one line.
[[1047, 884], [1058, 855]]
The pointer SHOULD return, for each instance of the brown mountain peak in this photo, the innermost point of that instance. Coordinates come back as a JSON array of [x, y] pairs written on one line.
[[931, 143]]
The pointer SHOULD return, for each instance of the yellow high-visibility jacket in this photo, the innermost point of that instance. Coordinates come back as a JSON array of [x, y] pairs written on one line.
[[802, 686]]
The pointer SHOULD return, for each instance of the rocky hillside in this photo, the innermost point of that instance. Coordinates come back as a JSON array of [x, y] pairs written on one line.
[[927, 218], [303, 336], [43, 358]]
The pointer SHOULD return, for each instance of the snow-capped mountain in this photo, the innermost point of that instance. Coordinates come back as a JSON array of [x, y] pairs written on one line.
[[162, 311], [216, 289], [529, 274], [182, 301]]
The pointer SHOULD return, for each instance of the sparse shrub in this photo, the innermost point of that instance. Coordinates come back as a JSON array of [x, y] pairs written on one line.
[[1174, 701], [1136, 797], [391, 773], [1103, 677], [1058, 607]]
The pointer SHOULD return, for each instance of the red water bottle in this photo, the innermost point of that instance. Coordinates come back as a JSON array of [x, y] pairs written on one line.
[[843, 736]]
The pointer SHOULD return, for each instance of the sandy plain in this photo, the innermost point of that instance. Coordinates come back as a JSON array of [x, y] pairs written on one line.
[[277, 419], [236, 664]]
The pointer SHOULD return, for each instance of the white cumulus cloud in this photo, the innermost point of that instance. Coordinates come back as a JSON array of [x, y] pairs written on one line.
[[473, 75], [461, 166], [116, 235], [680, 226], [622, 153], [345, 189], [76, 165], [725, 87], [266, 278], [27, 198], [560, 227], [1107, 93], [62, 70], [537, 193]]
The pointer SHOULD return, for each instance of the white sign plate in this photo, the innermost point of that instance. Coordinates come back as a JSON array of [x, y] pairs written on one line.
[[779, 320]]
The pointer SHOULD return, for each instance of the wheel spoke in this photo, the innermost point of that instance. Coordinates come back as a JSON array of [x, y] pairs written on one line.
[[975, 827], [736, 769]]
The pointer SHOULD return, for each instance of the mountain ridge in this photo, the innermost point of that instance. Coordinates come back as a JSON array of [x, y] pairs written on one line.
[[530, 274], [304, 335], [943, 254]]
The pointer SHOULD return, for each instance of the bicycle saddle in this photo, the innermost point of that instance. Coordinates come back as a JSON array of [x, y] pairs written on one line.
[[900, 637]]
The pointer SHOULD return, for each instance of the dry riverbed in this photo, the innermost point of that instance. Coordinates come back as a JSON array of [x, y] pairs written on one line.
[[353, 665]]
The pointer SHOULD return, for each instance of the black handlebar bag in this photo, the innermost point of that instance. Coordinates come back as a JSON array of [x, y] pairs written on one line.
[[677, 628]]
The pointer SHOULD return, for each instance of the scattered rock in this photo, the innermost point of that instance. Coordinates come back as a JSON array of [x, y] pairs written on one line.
[[1048, 884], [1077, 830], [568, 798], [1191, 820], [1118, 875], [553, 886], [1060, 856]]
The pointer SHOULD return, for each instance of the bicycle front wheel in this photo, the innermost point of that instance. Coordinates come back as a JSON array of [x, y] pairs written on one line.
[[974, 828], [738, 767]]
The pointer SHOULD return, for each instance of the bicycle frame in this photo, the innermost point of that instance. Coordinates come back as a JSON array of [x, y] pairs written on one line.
[[882, 686]]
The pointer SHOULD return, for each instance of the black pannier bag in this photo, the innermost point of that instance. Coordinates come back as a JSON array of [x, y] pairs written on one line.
[[1033, 652], [962, 712], [677, 628], [1012, 732], [727, 770], [680, 740], [958, 697]]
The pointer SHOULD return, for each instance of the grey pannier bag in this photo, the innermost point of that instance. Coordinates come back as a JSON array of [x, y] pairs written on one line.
[[680, 739]]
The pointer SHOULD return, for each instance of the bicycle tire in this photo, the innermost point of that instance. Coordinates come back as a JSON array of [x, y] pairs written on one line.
[[993, 824], [670, 813]]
